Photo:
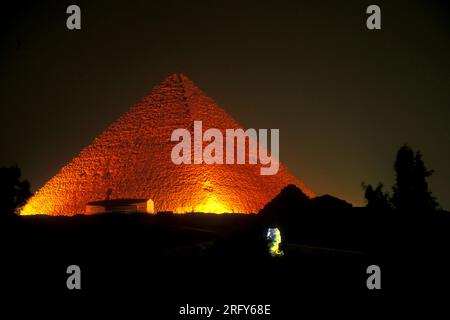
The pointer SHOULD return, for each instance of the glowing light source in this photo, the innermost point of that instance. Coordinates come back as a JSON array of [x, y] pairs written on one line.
[[212, 205], [273, 242], [150, 206], [208, 202], [26, 211]]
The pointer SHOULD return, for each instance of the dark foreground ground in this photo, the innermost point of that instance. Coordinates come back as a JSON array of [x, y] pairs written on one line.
[[157, 264]]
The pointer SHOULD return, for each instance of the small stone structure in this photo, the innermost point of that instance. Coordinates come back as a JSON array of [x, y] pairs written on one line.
[[120, 205]]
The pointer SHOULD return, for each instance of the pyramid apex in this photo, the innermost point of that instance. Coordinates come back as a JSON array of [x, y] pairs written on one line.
[[177, 78], [178, 82]]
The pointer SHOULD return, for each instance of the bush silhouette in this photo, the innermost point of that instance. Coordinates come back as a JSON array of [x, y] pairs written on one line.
[[376, 198]]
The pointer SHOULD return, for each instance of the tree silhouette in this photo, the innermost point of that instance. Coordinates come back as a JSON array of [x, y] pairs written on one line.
[[376, 199], [13, 191], [411, 193]]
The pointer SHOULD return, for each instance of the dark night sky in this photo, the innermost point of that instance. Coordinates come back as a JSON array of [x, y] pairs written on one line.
[[345, 98]]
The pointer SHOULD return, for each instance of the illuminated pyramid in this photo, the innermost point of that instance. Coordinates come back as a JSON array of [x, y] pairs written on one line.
[[132, 160]]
